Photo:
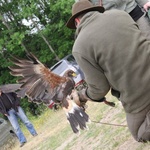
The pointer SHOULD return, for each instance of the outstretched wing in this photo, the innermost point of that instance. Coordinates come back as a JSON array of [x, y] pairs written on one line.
[[38, 82], [8, 88]]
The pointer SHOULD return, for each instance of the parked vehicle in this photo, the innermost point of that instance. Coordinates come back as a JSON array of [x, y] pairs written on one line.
[[67, 63], [6, 132]]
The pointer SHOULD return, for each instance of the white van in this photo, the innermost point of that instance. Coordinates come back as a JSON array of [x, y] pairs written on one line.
[[7, 134], [67, 63]]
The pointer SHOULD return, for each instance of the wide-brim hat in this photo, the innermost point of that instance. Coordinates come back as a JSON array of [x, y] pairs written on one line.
[[79, 8]]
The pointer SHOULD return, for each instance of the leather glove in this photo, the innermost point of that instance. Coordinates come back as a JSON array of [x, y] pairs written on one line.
[[80, 98]]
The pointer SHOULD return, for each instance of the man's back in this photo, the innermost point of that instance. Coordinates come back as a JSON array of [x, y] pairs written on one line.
[[115, 46]]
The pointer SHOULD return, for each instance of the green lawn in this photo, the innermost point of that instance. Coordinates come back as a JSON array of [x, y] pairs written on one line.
[[54, 132]]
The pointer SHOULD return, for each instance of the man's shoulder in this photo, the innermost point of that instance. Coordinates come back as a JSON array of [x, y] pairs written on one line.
[[118, 15], [115, 12]]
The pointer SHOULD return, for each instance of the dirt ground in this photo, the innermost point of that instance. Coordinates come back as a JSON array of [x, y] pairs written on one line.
[[117, 138]]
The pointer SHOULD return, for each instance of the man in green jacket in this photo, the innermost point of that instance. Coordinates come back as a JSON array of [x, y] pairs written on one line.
[[113, 53]]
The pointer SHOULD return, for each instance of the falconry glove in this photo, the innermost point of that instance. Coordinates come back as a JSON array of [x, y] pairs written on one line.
[[80, 98]]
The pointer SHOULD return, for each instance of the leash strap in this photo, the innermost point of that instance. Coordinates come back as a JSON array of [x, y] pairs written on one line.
[[110, 124]]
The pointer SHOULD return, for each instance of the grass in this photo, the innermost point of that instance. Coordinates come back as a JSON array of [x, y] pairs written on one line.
[[56, 134], [9, 144]]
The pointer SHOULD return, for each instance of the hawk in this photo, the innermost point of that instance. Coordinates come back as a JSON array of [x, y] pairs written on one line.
[[40, 85]]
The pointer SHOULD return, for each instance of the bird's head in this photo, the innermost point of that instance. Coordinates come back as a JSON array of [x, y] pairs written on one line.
[[70, 73]]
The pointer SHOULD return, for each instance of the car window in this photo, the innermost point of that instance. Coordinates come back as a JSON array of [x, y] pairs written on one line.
[[71, 59], [60, 67]]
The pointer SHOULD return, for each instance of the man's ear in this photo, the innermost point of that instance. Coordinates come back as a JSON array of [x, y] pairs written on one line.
[[77, 21]]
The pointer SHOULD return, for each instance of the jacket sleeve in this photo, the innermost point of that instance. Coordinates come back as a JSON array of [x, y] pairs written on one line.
[[98, 85], [2, 109], [17, 99], [141, 2]]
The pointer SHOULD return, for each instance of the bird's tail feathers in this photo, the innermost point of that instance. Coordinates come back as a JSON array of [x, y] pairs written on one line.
[[78, 119]]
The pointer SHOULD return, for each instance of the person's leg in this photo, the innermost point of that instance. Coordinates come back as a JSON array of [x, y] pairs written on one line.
[[26, 121], [139, 124], [14, 122], [144, 130]]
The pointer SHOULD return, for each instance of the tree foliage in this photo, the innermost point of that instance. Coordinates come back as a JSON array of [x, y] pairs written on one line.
[[37, 26]]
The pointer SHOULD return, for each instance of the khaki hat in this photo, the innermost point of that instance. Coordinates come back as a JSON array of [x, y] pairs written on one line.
[[79, 8]]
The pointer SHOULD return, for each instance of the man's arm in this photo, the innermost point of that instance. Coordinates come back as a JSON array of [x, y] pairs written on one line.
[[17, 99], [98, 85], [143, 3], [3, 110], [146, 6]]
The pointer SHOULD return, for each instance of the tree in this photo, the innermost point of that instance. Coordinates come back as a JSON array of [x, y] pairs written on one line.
[[46, 35]]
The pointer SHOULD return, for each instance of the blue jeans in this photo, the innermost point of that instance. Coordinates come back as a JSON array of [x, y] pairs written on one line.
[[13, 118]]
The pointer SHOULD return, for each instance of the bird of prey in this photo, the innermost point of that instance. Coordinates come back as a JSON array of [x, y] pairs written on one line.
[[8, 88], [40, 85]]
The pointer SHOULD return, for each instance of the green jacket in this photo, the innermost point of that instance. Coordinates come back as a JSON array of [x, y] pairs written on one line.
[[126, 5], [112, 53]]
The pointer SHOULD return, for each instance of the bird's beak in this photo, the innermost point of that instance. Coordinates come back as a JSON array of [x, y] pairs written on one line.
[[74, 74]]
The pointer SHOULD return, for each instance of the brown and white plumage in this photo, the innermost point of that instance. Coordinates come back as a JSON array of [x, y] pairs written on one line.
[[8, 88], [40, 85]]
